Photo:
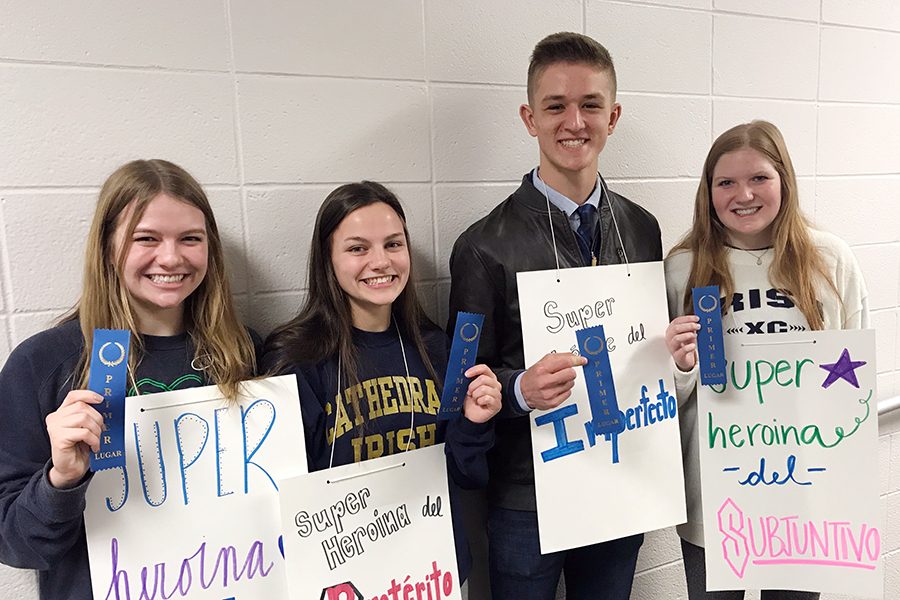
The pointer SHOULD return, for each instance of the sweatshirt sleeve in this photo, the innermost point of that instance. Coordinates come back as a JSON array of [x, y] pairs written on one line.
[[854, 295], [851, 309], [685, 384], [466, 447], [465, 443], [39, 524]]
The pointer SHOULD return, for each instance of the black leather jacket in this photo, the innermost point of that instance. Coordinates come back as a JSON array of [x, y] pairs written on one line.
[[515, 237]]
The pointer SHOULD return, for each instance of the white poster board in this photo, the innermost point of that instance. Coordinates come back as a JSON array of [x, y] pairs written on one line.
[[789, 457], [376, 529], [194, 514], [605, 487]]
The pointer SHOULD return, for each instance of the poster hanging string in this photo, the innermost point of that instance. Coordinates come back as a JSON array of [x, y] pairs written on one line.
[[777, 343]]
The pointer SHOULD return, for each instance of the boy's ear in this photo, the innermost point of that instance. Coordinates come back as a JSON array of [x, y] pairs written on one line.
[[614, 118], [527, 116]]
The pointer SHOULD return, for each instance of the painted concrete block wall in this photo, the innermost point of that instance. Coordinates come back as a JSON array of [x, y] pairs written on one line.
[[273, 103]]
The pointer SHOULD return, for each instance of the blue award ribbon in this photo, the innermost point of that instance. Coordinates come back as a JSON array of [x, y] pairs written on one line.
[[605, 415], [108, 377], [462, 356], [710, 339]]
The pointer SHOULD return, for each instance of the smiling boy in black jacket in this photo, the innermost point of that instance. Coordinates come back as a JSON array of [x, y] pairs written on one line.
[[571, 110]]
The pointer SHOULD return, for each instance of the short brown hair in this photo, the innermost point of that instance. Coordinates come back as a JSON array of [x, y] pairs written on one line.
[[568, 47]]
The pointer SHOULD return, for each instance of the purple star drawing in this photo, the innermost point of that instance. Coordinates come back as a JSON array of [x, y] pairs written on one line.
[[844, 368]]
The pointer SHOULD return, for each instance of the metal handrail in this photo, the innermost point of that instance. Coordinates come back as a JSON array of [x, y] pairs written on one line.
[[888, 404]]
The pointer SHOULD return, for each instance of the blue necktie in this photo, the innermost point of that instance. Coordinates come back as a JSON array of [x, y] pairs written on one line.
[[587, 230]]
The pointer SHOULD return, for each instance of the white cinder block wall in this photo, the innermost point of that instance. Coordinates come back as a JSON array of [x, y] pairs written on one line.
[[272, 103]]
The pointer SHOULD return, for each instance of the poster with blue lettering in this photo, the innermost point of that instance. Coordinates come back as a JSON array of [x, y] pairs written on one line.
[[789, 458], [381, 528], [593, 486], [194, 512]]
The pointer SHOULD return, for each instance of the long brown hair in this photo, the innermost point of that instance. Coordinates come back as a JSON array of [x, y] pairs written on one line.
[[221, 343], [324, 327], [797, 264]]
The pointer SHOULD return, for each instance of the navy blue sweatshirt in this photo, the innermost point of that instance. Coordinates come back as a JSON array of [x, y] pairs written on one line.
[[42, 527], [377, 423]]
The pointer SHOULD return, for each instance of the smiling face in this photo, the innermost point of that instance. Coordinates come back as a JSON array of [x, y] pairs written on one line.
[[572, 114], [370, 257], [746, 195], [165, 261]]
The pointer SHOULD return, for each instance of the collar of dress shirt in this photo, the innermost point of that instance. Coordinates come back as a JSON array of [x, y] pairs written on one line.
[[564, 203]]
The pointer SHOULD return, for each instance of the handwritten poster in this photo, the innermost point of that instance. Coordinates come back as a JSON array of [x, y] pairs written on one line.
[[194, 512], [788, 456], [377, 529], [592, 486]]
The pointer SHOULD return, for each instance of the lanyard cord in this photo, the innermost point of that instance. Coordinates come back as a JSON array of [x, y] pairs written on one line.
[[334, 424], [412, 412], [552, 233], [615, 224]]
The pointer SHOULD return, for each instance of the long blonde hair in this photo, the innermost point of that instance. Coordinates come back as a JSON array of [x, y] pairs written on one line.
[[797, 264], [221, 344]]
